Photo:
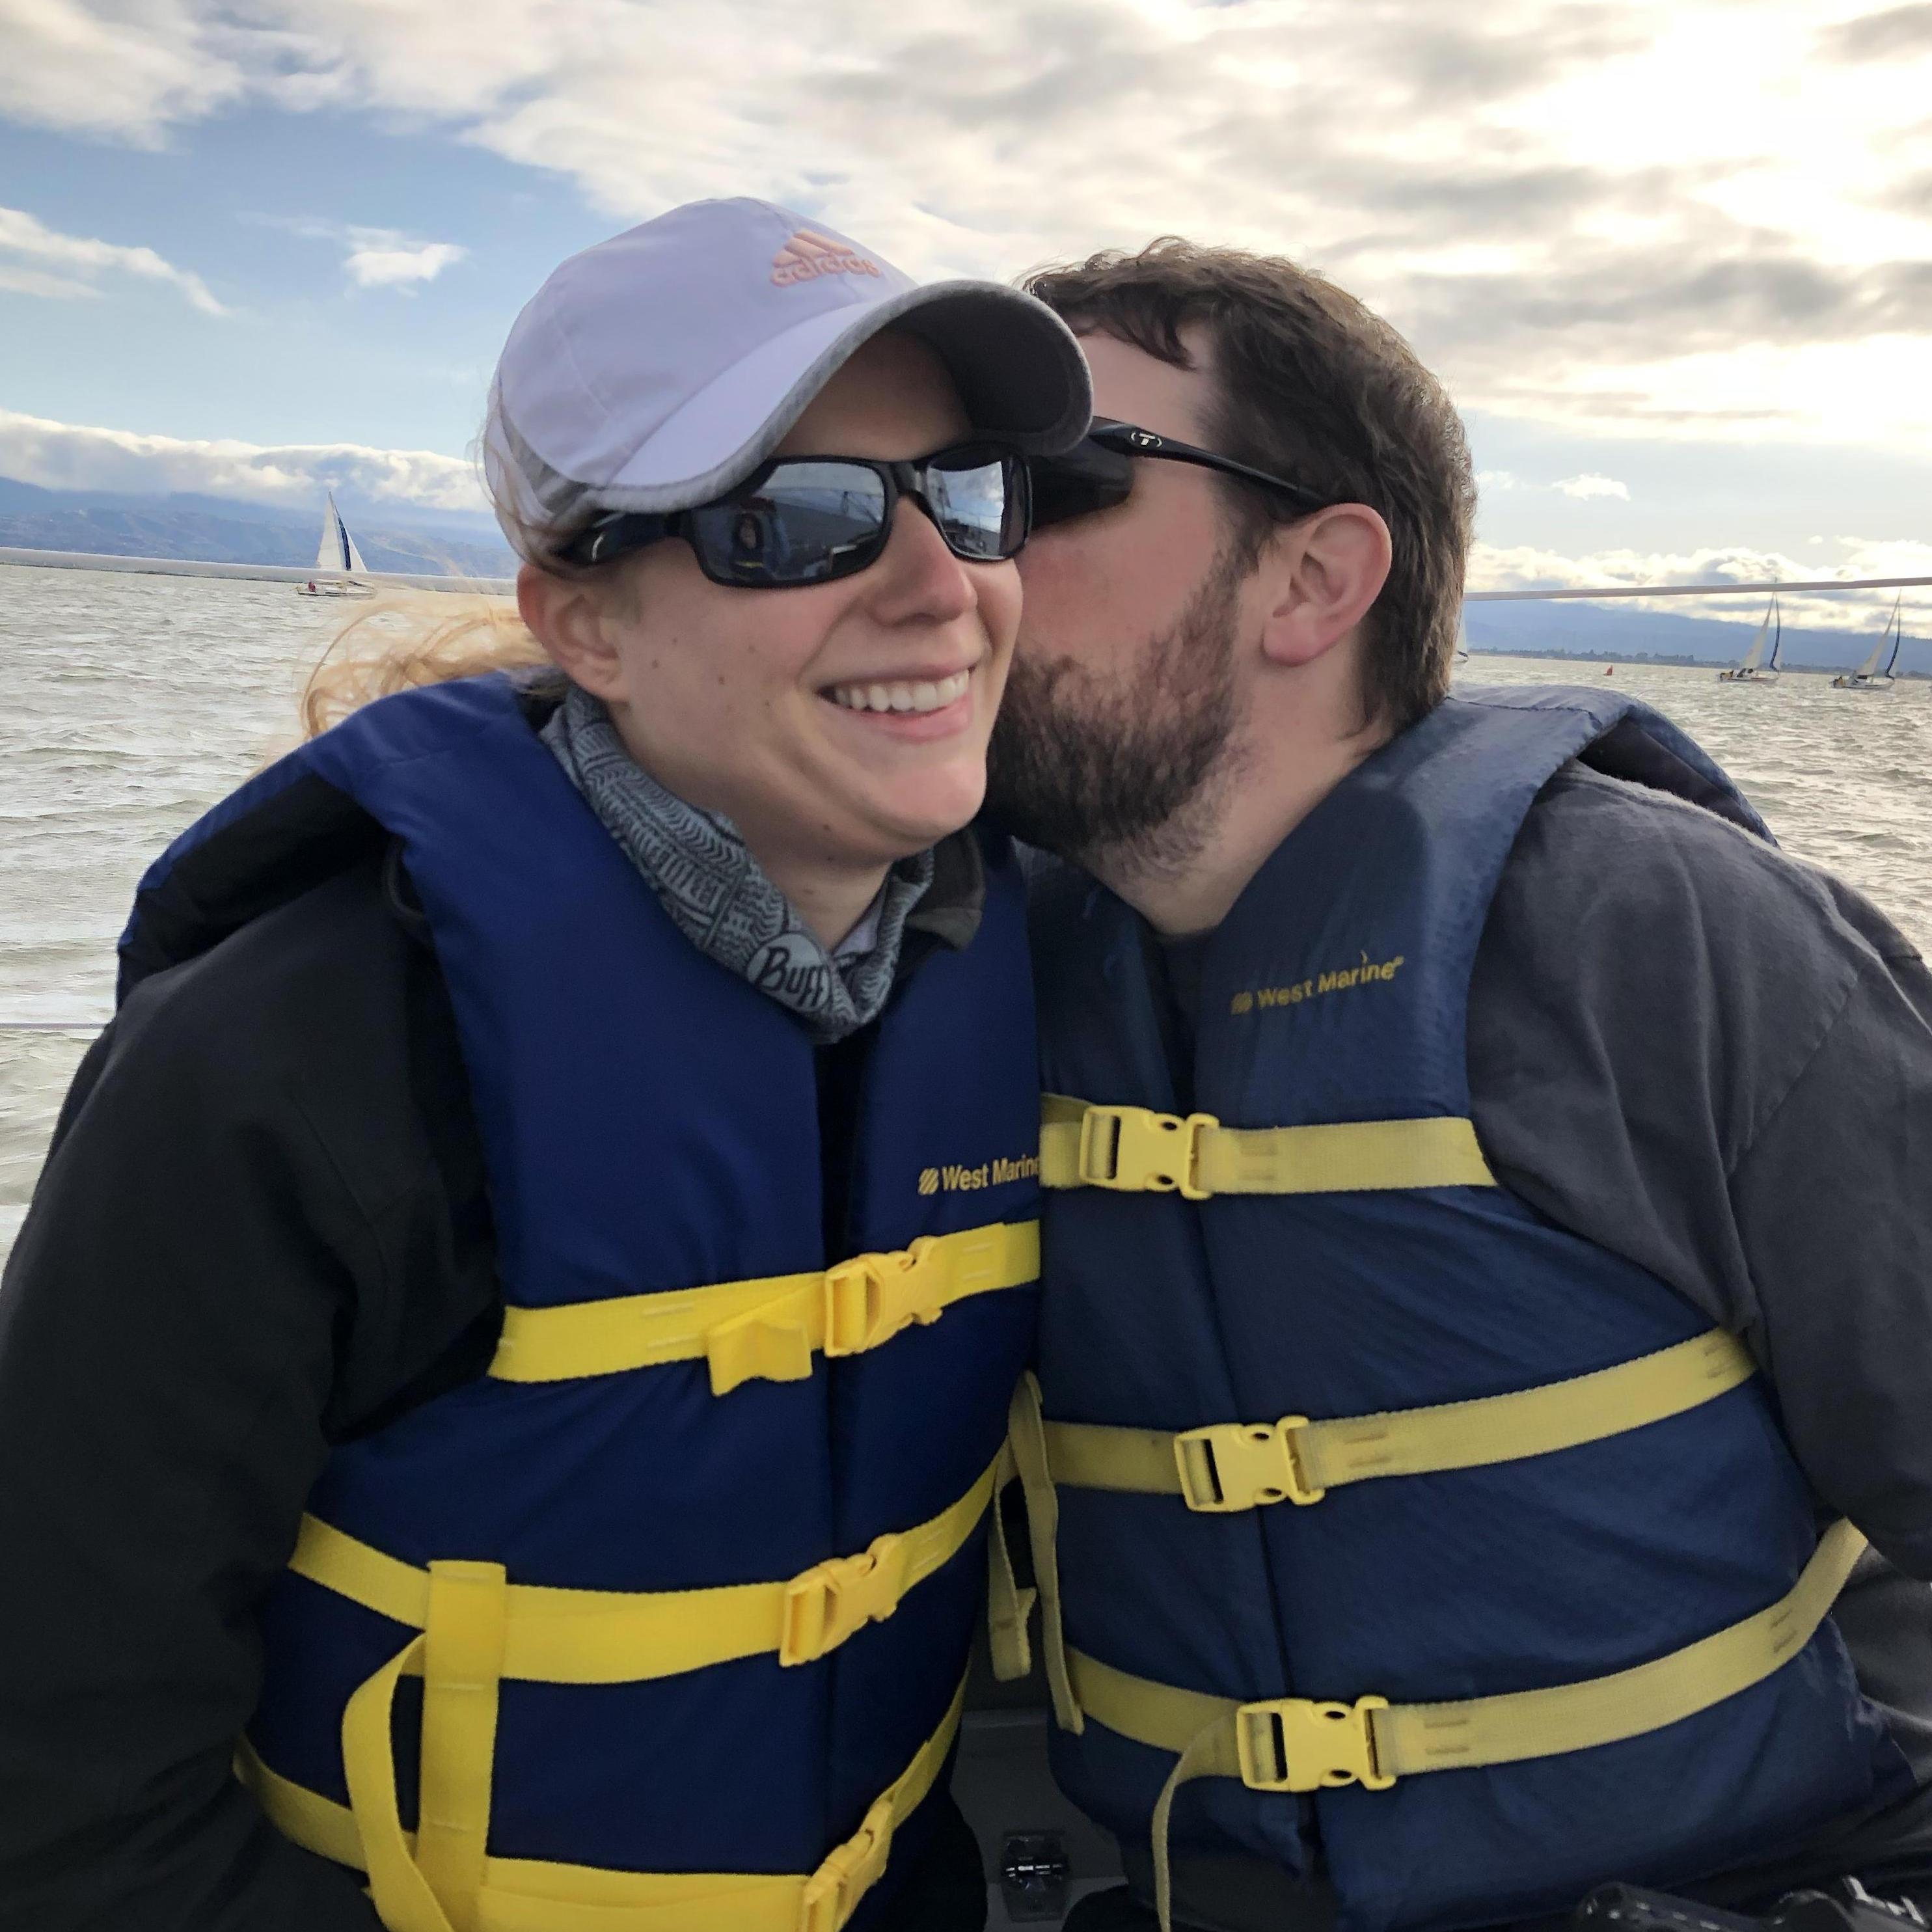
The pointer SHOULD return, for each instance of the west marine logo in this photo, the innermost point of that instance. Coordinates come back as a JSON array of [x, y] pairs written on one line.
[[970, 1179], [807, 255], [1369, 973]]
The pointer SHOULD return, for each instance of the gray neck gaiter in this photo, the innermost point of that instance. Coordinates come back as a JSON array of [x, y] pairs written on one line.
[[706, 878]]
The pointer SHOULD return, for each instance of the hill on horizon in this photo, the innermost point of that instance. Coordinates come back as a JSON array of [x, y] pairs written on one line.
[[1613, 630], [216, 529]]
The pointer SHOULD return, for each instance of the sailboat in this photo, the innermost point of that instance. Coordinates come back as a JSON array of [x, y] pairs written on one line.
[[337, 561], [1868, 677], [1753, 668]]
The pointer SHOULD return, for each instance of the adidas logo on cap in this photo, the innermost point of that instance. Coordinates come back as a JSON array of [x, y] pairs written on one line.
[[808, 256]]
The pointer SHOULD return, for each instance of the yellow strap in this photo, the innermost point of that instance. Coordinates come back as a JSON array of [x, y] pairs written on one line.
[[404, 1900], [1238, 1465], [1294, 1743], [610, 1637], [1137, 1151], [1027, 1437], [462, 1662], [1008, 1606], [1162, 1716], [769, 1328], [535, 1895], [1414, 1738], [833, 1891], [316, 1823], [1208, 1754]]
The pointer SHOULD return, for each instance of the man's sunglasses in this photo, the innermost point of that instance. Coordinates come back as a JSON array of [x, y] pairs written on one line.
[[1098, 472], [810, 519]]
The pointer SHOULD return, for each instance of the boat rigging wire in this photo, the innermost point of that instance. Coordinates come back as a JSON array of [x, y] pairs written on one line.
[[1698, 590]]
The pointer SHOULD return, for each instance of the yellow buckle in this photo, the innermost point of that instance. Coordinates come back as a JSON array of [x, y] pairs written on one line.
[[849, 1871], [757, 1345], [1292, 1744], [831, 1600], [1138, 1151], [870, 1298], [1239, 1465]]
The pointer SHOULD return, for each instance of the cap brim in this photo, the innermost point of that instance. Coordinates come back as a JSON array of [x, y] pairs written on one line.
[[1019, 371]]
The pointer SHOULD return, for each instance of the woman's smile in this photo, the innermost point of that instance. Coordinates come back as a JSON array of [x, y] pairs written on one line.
[[913, 709]]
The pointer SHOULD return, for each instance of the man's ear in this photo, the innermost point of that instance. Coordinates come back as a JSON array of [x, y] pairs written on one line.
[[565, 615], [1325, 571]]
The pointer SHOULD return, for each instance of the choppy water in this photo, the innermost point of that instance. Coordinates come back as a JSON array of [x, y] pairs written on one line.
[[131, 703]]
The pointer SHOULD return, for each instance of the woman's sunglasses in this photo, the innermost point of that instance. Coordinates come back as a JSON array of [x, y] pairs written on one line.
[[1098, 472], [810, 519]]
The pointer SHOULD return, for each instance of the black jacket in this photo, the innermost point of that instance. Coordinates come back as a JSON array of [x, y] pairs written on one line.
[[262, 1231]]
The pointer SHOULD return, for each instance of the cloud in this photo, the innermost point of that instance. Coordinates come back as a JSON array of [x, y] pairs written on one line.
[[21, 234], [387, 261], [129, 71], [1592, 485], [1604, 306], [37, 282], [1525, 567], [1489, 481], [68, 456], [373, 257], [1898, 30], [1550, 197]]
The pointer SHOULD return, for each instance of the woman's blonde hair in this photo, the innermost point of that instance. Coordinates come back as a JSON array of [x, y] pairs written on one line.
[[413, 637]]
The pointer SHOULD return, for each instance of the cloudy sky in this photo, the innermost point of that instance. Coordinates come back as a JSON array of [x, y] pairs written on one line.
[[1674, 261]]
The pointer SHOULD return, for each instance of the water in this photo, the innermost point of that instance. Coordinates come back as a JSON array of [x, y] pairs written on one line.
[[131, 703], [134, 702]]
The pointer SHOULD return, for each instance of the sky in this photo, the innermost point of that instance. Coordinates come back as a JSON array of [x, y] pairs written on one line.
[[1673, 261]]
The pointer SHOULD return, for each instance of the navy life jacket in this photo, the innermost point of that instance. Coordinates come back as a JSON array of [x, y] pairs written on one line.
[[665, 1620], [1291, 1584]]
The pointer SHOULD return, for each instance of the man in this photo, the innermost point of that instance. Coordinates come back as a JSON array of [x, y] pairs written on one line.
[[1598, 1248]]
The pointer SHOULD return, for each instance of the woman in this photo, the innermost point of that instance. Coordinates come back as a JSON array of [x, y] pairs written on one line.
[[512, 1338]]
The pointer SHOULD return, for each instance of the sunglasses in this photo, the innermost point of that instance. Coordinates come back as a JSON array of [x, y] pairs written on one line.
[[813, 519], [1098, 472]]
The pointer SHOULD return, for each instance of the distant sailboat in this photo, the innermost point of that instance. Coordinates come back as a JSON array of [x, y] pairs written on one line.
[[337, 560], [1753, 668], [1868, 677]]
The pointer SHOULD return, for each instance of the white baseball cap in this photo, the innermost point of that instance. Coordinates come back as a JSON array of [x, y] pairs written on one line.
[[660, 368]]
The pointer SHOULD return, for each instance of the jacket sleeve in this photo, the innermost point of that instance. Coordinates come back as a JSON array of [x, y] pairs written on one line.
[[205, 1292], [1833, 1201], [1717, 1061]]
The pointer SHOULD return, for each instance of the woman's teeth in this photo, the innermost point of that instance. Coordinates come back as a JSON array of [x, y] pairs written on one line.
[[902, 697]]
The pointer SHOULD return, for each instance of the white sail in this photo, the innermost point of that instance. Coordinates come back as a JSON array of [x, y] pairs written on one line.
[[1878, 650], [1755, 655], [1751, 668], [1898, 637], [337, 550], [328, 552]]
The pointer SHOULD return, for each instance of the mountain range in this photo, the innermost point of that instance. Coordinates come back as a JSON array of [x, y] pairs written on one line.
[[218, 530], [1614, 630]]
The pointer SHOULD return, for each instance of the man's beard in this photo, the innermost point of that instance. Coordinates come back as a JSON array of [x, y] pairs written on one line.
[[1131, 768]]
